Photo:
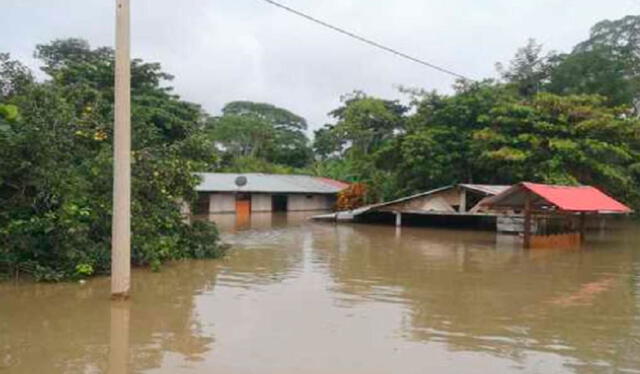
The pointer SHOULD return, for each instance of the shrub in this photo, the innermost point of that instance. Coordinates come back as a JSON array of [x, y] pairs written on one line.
[[56, 166]]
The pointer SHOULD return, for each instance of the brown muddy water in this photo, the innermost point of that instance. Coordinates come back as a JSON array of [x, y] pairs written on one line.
[[301, 297]]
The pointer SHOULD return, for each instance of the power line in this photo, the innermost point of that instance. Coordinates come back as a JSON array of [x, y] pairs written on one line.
[[367, 41]]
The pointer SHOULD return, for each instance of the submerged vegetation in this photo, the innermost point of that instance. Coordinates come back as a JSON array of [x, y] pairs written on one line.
[[552, 117]]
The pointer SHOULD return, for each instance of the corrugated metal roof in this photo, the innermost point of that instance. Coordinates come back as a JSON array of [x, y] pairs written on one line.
[[406, 198], [566, 198], [489, 189], [271, 183]]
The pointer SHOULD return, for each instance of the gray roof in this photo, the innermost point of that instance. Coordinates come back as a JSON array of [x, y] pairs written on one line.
[[270, 183], [487, 189]]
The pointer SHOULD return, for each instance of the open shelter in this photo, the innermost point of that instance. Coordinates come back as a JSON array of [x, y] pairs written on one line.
[[573, 203]]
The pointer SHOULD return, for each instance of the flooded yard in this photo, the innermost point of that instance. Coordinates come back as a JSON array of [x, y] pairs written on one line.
[[300, 297]]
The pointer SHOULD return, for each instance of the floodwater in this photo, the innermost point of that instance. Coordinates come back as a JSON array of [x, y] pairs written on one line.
[[300, 297]]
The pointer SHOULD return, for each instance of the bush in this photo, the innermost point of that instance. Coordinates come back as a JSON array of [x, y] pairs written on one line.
[[352, 197], [56, 166]]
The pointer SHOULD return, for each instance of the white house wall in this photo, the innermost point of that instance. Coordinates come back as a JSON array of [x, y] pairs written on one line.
[[222, 203], [260, 202]]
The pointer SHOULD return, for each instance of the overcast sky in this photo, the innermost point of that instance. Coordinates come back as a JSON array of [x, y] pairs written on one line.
[[225, 50]]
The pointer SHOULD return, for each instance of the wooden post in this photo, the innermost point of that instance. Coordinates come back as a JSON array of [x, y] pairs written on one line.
[[463, 201], [398, 219], [582, 226], [121, 224], [527, 221]]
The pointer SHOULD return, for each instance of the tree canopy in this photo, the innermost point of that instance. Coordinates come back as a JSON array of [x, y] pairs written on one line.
[[261, 132], [56, 165], [553, 118], [570, 118]]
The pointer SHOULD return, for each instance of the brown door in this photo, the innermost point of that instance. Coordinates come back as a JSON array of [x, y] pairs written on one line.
[[243, 204], [243, 211]]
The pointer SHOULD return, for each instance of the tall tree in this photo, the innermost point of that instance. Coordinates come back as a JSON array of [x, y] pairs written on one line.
[[529, 70], [562, 140], [359, 147], [436, 150], [365, 123], [607, 64], [262, 131]]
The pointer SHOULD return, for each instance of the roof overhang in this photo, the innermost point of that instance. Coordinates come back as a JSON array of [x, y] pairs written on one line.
[[557, 199]]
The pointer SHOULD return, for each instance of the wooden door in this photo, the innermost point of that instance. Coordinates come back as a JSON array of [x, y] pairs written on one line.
[[243, 211], [243, 207], [243, 204]]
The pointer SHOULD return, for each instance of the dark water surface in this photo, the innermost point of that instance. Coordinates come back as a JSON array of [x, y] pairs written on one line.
[[301, 297]]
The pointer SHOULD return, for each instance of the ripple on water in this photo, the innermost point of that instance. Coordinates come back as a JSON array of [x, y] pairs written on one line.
[[346, 299]]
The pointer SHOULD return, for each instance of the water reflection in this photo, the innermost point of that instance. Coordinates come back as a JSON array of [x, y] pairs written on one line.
[[301, 297], [232, 223], [62, 328], [461, 291], [119, 338]]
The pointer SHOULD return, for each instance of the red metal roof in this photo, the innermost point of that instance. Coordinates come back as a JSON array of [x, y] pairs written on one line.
[[576, 198], [333, 182]]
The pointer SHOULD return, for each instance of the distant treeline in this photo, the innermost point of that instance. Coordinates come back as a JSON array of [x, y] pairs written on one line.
[[565, 118], [552, 117]]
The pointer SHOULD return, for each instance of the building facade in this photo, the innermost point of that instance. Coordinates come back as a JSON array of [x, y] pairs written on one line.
[[256, 192]]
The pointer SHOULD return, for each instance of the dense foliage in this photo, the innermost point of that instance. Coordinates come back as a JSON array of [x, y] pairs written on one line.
[[56, 165], [556, 118], [260, 137], [553, 117]]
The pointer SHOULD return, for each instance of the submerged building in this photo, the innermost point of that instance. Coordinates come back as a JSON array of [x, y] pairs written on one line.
[[256, 192], [455, 205]]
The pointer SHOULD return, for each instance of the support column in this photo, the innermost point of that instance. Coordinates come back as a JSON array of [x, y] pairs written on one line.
[[582, 226], [398, 219], [603, 223], [121, 220], [213, 202], [527, 221], [463, 201]]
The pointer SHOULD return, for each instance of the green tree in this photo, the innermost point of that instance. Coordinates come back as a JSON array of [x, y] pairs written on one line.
[[13, 76], [623, 33], [597, 71], [562, 140], [365, 123], [261, 131], [436, 149], [359, 147], [56, 166], [529, 70], [242, 136], [607, 64]]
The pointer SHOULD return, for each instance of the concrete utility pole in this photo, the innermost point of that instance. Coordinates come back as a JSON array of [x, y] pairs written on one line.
[[121, 225]]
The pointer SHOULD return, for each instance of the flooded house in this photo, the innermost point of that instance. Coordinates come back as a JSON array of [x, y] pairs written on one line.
[[248, 193], [454, 205], [558, 209]]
